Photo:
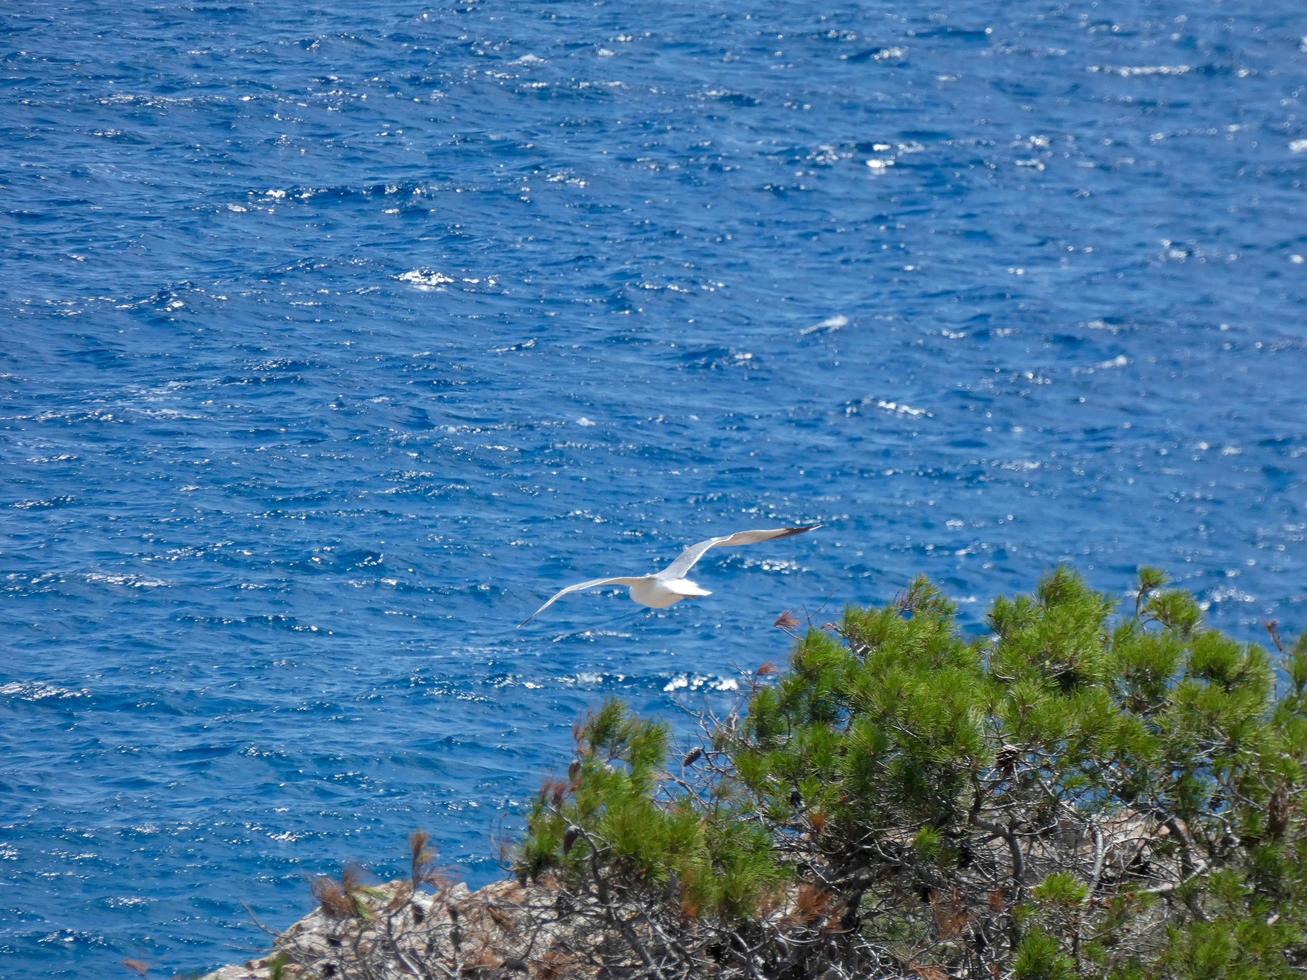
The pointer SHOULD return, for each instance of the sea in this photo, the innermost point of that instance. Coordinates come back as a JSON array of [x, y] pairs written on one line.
[[334, 338]]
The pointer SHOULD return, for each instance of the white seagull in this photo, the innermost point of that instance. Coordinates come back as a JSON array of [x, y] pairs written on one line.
[[670, 586]]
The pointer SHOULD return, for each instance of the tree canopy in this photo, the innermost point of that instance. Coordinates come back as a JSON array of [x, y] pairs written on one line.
[[1081, 792]]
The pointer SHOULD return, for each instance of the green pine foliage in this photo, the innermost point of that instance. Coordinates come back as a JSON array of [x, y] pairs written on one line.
[[1081, 792], [614, 815]]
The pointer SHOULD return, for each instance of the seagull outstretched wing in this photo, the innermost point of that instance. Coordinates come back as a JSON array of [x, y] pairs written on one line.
[[691, 555], [593, 583]]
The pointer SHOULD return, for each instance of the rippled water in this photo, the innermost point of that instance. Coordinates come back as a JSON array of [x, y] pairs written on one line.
[[332, 340]]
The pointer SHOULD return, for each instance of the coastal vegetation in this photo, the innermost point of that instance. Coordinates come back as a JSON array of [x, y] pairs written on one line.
[[1082, 790]]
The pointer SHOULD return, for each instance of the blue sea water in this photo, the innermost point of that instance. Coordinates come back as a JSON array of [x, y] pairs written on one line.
[[336, 336]]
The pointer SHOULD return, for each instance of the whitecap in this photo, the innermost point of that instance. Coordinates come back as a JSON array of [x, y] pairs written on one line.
[[902, 408], [684, 682], [131, 580], [128, 902], [1142, 71], [591, 678], [829, 325], [528, 344], [39, 691], [425, 279], [42, 504]]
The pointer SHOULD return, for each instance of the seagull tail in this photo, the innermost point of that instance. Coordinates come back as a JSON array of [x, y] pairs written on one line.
[[687, 588]]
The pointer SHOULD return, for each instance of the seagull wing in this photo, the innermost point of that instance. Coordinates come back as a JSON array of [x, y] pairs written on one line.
[[593, 583], [691, 555]]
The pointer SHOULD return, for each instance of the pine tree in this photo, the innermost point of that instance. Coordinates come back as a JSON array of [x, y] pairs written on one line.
[[1071, 795]]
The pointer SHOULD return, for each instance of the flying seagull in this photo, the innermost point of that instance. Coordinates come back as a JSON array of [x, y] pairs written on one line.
[[670, 586]]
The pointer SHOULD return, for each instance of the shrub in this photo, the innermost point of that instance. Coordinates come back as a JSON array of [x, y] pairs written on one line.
[[1070, 795]]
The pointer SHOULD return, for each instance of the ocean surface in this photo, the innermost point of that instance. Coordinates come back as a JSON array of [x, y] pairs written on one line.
[[335, 337]]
